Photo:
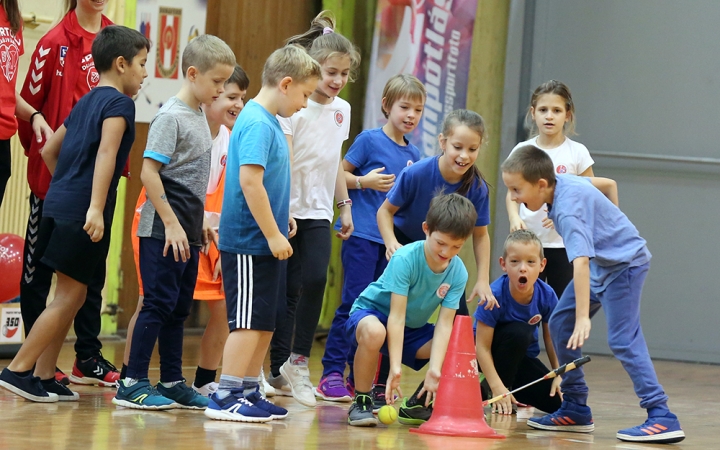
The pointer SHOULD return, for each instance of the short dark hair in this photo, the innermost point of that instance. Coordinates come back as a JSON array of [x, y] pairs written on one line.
[[240, 78], [114, 41], [452, 214], [523, 237], [532, 163]]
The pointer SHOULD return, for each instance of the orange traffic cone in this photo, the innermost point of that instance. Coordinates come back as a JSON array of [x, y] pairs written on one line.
[[458, 409]]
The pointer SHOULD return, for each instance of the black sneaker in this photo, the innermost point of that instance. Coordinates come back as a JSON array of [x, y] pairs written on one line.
[[55, 387], [378, 397], [96, 370], [414, 412], [361, 412], [28, 387]]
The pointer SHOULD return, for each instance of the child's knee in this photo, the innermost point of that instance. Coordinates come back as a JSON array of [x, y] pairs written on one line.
[[370, 333]]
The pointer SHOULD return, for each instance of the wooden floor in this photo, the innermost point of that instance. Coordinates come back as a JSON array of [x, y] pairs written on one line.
[[94, 423]]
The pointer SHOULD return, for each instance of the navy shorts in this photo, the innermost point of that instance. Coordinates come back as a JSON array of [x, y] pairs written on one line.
[[70, 251], [413, 341], [254, 290]]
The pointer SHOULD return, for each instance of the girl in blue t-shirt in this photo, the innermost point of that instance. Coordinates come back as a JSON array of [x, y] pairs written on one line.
[[371, 165]]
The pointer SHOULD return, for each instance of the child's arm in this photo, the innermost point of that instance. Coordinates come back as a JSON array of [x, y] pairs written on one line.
[[581, 278], [51, 151], [112, 132], [251, 183], [550, 349], [341, 193], [175, 236], [386, 227], [395, 336], [438, 349], [513, 210], [483, 346], [481, 249], [372, 180], [608, 187]]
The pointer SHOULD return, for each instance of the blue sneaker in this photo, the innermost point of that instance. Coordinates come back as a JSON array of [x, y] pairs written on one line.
[[570, 417], [235, 407], [261, 402], [656, 430], [141, 395], [185, 397], [28, 387]]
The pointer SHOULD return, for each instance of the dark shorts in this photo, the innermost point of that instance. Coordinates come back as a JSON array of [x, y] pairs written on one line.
[[254, 290], [69, 250], [413, 341]]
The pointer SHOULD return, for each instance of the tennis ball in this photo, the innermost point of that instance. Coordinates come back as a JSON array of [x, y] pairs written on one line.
[[387, 414]]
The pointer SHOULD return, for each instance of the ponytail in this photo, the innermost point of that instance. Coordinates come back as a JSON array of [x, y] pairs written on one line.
[[13, 13]]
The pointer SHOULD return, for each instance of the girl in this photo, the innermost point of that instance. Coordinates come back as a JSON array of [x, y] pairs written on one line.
[[62, 71], [551, 117], [370, 168], [315, 136]]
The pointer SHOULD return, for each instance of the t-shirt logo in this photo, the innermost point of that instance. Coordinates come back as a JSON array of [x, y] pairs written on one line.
[[339, 118], [63, 54], [9, 55], [534, 320], [561, 168], [443, 290], [409, 163], [223, 160]]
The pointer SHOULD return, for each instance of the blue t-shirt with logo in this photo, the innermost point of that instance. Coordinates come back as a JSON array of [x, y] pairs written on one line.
[[538, 310], [371, 150], [408, 274], [415, 188], [256, 139]]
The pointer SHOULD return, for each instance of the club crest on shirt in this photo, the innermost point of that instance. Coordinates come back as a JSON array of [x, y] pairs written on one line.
[[339, 118], [223, 160], [63, 54], [443, 290], [409, 163], [534, 320], [561, 169]]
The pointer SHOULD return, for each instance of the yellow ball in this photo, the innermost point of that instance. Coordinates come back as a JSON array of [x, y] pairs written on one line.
[[387, 414]]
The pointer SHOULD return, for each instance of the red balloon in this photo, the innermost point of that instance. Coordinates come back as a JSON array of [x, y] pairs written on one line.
[[11, 257]]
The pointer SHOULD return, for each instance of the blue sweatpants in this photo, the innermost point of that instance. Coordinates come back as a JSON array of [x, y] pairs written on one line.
[[363, 262], [621, 300]]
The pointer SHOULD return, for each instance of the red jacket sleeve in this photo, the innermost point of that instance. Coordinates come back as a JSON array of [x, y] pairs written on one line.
[[37, 85]]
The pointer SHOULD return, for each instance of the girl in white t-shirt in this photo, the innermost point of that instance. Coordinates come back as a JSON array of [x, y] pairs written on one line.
[[551, 117], [315, 136]]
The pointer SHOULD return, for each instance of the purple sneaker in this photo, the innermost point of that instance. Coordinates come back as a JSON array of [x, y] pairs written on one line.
[[332, 389]]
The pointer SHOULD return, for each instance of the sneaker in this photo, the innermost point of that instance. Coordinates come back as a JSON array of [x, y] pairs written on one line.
[[350, 386], [61, 377], [185, 397], [206, 390], [96, 370], [235, 407], [570, 417], [64, 394], [265, 388], [656, 430], [141, 395], [411, 413], [378, 396], [298, 378], [360, 413], [280, 385], [257, 399], [332, 388], [28, 387]]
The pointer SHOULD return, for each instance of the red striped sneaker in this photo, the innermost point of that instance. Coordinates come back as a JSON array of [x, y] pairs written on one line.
[[96, 370], [657, 430], [570, 417]]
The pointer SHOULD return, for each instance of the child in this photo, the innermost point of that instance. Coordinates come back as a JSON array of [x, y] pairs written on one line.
[[391, 315], [254, 230], [62, 70], [315, 136], [552, 118], [374, 160], [507, 337], [221, 115], [172, 228], [610, 263], [96, 140]]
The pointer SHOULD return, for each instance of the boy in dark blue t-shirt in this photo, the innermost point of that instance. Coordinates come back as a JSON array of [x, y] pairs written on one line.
[[507, 337], [86, 157]]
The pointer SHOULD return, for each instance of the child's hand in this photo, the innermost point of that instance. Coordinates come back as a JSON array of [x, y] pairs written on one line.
[[378, 181], [391, 249], [208, 235], [517, 224], [292, 228], [94, 224], [485, 296], [218, 270], [41, 129], [580, 334], [346, 224], [555, 388], [548, 223], [432, 380], [176, 239], [505, 405], [280, 247], [392, 385]]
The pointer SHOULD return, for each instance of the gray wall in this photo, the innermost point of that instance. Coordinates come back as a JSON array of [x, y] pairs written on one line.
[[645, 78]]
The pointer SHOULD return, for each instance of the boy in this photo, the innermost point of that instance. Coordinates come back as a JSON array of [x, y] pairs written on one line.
[[610, 263], [254, 233], [175, 173], [95, 139], [506, 340], [390, 316]]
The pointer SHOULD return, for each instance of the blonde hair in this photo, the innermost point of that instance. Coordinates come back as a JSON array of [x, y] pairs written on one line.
[[557, 88], [205, 52], [401, 86], [523, 237], [290, 61]]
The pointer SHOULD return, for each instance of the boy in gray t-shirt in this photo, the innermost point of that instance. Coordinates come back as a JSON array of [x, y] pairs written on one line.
[[175, 172]]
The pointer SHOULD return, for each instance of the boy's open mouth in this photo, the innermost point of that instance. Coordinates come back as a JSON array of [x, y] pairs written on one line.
[[522, 280]]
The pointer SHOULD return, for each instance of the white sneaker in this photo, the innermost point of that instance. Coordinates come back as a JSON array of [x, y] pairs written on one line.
[[280, 385], [265, 388], [298, 378], [207, 389]]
